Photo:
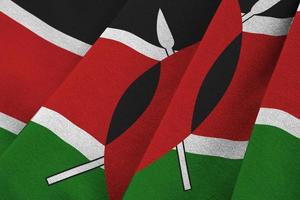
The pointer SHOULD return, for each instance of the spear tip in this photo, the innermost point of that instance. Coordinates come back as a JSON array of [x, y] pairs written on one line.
[[164, 34]]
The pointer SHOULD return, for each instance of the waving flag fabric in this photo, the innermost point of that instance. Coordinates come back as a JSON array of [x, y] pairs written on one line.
[[80, 112], [219, 111], [271, 168], [43, 42], [160, 106]]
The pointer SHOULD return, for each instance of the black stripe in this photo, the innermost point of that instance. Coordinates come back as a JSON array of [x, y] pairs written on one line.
[[283, 9], [187, 19], [84, 20]]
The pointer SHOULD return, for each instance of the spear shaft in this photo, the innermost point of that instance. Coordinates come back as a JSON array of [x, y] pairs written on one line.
[[181, 157], [75, 171], [166, 40]]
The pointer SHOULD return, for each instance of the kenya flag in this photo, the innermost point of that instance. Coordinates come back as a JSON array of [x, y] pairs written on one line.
[[120, 171], [41, 43], [207, 93], [271, 166], [217, 101], [139, 58], [165, 74]]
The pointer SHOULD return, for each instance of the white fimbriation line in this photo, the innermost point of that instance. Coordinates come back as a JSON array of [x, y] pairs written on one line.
[[262, 24], [42, 29], [257, 24], [135, 42], [69, 133], [267, 25], [11, 124], [218, 147], [280, 119], [75, 171]]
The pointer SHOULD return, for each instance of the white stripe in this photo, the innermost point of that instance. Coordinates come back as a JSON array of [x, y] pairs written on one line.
[[42, 29], [267, 25], [279, 119], [70, 133], [215, 147], [135, 42], [11, 124], [75, 171], [257, 24]]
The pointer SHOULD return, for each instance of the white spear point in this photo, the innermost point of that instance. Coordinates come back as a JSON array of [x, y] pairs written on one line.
[[164, 34], [260, 7]]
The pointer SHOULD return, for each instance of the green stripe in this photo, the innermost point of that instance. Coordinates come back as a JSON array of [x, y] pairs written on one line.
[[6, 138], [211, 178], [38, 153], [271, 169]]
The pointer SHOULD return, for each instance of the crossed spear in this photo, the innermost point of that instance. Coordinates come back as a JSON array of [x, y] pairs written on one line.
[[166, 40], [258, 8]]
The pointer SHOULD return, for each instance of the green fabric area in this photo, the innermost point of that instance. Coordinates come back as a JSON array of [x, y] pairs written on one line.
[[271, 168], [212, 178], [6, 138], [36, 154]]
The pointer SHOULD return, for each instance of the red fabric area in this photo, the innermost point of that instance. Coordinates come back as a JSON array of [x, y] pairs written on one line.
[[31, 69]]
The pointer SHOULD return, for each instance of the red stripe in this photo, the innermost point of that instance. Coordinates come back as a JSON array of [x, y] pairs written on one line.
[[283, 91], [235, 114], [31, 69]]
